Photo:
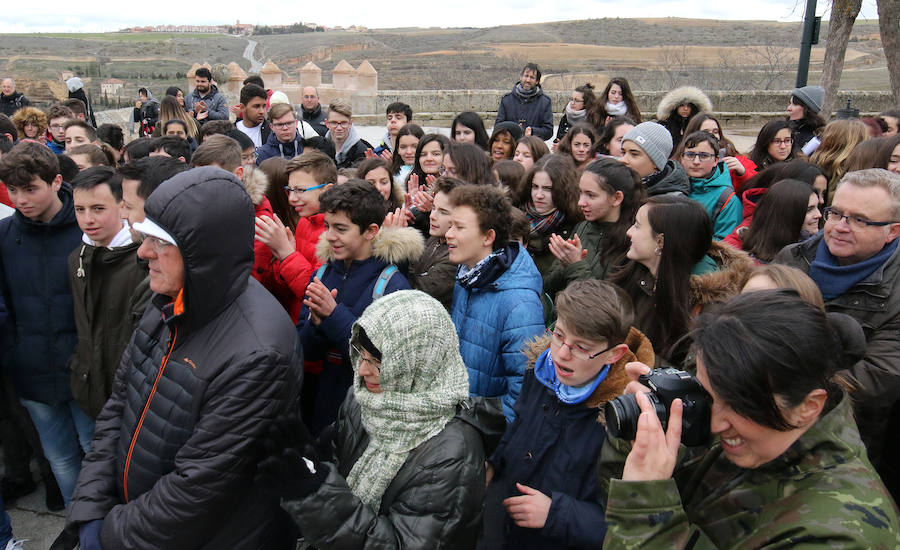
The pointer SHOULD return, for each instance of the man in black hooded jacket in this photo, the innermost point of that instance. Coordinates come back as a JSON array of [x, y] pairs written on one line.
[[212, 363]]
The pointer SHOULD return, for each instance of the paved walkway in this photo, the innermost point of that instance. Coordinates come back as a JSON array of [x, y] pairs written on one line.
[[31, 520]]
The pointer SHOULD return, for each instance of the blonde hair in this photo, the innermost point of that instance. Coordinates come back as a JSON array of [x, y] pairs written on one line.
[[838, 140], [341, 106], [170, 109]]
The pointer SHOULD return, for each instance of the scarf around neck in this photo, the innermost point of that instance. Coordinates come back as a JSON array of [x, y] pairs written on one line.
[[423, 379], [573, 116], [543, 224], [545, 372], [834, 280], [524, 94], [489, 269], [616, 109]]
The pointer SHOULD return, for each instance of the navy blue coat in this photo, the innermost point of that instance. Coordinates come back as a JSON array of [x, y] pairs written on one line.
[[274, 148], [552, 447], [40, 335], [536, 112]]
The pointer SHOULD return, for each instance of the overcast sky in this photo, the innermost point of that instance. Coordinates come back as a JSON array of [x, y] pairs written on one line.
[[68, 16]]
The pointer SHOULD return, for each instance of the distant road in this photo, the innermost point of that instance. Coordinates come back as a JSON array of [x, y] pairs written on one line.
[[255, 65]]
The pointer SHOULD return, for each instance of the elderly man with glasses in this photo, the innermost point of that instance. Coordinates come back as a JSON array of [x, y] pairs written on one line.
[[856, 264], [211, 364]]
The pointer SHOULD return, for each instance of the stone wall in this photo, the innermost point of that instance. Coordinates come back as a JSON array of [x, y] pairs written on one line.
[[440, 106]]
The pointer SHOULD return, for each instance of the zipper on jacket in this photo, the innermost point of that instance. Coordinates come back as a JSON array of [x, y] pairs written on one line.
[[140, 423]]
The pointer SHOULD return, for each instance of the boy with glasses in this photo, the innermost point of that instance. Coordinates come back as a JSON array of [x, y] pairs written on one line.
[[543, 490], [57, 117], [350, 149], [294, 256], [284, 141]]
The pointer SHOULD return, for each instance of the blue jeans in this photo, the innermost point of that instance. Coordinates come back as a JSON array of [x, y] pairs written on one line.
[[61, 428], [5, 525]]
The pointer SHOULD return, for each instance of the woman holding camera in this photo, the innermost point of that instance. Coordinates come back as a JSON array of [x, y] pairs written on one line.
[[786, 468]]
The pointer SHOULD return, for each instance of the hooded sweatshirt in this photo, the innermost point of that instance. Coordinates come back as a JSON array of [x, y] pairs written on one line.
[[352, 151], [709, 192]]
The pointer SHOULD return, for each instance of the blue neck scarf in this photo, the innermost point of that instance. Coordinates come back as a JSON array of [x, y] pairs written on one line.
[[546, 375], [834, 280]]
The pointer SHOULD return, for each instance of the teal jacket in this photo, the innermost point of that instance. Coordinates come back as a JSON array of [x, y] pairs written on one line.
[[710, 192]]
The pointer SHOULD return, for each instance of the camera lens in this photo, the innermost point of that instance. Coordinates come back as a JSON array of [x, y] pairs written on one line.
[[622, 415]]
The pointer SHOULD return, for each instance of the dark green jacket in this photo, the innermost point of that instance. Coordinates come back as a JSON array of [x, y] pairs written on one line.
[[595, 265], [105, 317], [820, 493]]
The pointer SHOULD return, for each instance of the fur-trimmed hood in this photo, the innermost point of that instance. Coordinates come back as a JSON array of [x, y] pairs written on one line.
[[640, 349], [394, 245], [734, 268], [256, 183], [678, 96]]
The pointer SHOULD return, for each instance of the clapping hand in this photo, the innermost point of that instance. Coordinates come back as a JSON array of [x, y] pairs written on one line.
[[567, 251], [293, 469]]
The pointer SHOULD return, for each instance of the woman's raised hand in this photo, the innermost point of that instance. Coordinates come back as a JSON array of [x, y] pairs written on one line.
[[654, 452]]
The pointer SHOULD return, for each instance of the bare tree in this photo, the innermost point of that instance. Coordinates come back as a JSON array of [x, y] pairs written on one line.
[[889, 25], [843, 15], [673, 62], [775, 61]]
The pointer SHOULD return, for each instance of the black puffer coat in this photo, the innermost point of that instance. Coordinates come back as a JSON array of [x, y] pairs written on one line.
[[434, 501], [176, 446]]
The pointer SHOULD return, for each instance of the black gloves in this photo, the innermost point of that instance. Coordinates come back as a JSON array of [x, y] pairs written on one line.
[[289, 472]]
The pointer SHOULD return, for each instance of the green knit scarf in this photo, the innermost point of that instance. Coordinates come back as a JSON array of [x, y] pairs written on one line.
[[423, 378]]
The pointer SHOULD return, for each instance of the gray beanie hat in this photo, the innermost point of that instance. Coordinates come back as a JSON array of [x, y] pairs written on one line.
[[654, 139], [812, 96]]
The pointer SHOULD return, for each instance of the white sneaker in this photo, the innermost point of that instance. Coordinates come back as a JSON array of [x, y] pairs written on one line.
[[14, 544]]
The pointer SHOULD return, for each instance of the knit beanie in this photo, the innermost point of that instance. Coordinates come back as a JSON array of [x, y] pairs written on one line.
[[514, 129], [811, 96], [654, 139], [279, 97]]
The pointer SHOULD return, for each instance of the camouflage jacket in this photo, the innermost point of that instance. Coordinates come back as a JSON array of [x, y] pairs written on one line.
[[821, 493]]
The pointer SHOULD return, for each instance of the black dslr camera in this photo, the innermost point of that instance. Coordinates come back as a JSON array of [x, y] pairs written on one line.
[[666, 385]]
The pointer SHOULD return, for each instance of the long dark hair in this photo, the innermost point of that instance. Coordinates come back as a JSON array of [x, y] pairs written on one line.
[[694, 126], [471, 162], [767, 349], [274, 169], [760, 152], [406, 130], [687, 235], [794, 170], [609, 131], [631, 106], [563, 176], [612, 176], [778, 219], [471, 120], [815, 121], [395, 200], [425, 140], [582, 128]]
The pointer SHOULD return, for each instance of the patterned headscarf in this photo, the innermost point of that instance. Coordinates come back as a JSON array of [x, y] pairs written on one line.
[[423, 379]]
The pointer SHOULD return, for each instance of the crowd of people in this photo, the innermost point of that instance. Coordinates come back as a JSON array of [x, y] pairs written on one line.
[[249, 326]]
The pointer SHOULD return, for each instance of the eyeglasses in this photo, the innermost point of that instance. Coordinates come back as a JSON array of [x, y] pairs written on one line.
[[342, 124], [299, 190], [375, 364], [856, 222], [58, 126], [704, 157], [447, 171], [780, 142], [156, 243], [283, 125], [576, 100], [250, 157], [577, 351]]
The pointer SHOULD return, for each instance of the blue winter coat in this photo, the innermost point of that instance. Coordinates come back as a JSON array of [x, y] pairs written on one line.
[[40, 335], [709, 191], [493, 324], [536, 112]]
